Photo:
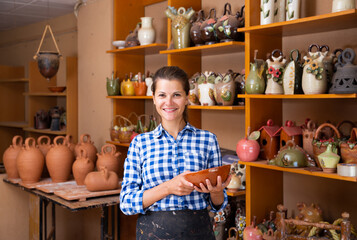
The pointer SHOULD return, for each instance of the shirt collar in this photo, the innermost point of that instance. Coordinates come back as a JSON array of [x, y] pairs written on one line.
[[160, 130]]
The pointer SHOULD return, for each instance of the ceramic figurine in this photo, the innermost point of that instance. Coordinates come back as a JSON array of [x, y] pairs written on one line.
[[146, 34], [279, 10], [314, 75], [227, 25], [148, 82], [290, 132], [180, 25], [208, 33], [269, 140], [342, 5], [292, 9], [275, 73], [206, 89], [292, 75], [10, 155], [195, 32], [239, 169], [311, 214], [193, 98], [224, 90], [267, 8], [132, 39], [291, 156]]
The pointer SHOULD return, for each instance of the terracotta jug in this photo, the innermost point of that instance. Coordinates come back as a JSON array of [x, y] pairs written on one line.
[[82, 166], [44, 144], [140, 87], [101, 180], [10, 155], [86, 142], [70, 143], [30, 162], [109, 158], [59, 160]]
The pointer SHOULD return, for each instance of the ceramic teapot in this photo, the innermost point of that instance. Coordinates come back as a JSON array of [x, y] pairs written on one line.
[[195, 32], [82, 166], [193, 98], [140, 87], [293, 74], [85, 141], [10, 155], [208, 33], [206, 89], [109, 158], [132, 39], [275, 73], [101, 180], [227, 25], [224, 89], [291, 156]]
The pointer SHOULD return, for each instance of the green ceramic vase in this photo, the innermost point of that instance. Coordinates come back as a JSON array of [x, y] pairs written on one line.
[[254, 83]]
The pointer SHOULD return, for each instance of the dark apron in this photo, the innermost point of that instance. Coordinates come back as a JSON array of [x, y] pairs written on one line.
[[181, 225]]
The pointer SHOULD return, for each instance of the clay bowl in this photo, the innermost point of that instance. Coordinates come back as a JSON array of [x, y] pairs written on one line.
[[119, 44], [212, 173], [57, 89]]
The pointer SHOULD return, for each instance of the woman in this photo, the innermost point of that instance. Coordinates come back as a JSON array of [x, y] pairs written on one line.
[[154, 186]]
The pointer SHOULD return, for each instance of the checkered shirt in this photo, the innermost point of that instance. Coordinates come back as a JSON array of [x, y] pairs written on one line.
[[156, 157]]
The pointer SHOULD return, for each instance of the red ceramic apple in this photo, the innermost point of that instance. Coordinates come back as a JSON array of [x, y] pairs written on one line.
[[248, 148], [133, 135], [252, 233]]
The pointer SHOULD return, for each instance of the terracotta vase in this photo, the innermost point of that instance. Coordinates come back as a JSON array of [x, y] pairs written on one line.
[[70, 143], [30, 162], [44, 144], [10, 155], [59, 160], [82, 166], [140, 87], [109, 158], [86, 142], [101, 180]]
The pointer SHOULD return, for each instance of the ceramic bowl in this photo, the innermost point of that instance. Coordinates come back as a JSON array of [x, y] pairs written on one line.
[[212, 173], [57, 89], [119, 44]]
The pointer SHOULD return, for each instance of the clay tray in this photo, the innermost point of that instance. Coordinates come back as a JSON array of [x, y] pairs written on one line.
[[34, 185], [52, 186]]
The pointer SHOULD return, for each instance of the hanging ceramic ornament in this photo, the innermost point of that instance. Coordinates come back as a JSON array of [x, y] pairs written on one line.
[[292, 75], [275, 73]]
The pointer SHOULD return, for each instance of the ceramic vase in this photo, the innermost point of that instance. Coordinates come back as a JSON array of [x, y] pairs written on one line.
[[195, 32], [279, 11], [109, 158], [30, 162], [275, 73], [10, 155], [113, 86], [82, 166], [208, 33], [342, 5], [255, 83], [70, 143], [146, 33], [88, 145], [44, 144], [328, 160], [292, 75], [59, 160], [292, 9], [101, 180], [267, 8]]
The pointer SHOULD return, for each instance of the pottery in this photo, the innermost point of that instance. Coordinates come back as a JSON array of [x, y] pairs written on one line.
[[57, 89], [235, 183], [254, 82], [290, 132], [113, 86], [82, 166], [86, 142], [148, 82], [275, 73], [120, 44], [206, 89], [132, 39], [267, 8], [227, 25], [70, 143], [30, 162], [269, 140], [208, 33], [48, 63], [224, 90], [248, 149], [10, 155], [211, 174], [140, 87], [292, 9], [342, 5], [59, 160], [109, 158], [349, 148], [307, 137], [127, 87], [146, 33], [328, 160], [193, 97], [195, 32], [292, 75], [44, 144], [290, 156], [240, 88], [279, 10], [101, 180]]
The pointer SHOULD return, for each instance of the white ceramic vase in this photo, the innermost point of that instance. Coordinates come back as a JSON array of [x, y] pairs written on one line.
[[274, 76], [292, 9], [205, 94], [312, 83], [146, 33], [267, 8], [342, 5], [279, 12]]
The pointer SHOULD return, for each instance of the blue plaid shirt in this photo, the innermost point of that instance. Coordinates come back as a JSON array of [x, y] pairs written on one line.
[[156, 157]]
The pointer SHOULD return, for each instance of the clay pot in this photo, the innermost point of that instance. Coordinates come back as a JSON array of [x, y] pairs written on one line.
[[109, 158], [208, 33], [30, 162], [10, 155], [88, 146], [45, 145], [59, 160], [140, 87], [195, 32], [212, 173], [70, 143], [82, 166], [101, 180]]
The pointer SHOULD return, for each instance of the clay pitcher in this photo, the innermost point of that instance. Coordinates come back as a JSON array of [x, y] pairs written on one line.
[[82, 166], [59, 160], [101, 180], [30, 162], [109, 158], [89, 147], [10, 155], [44, 144], [70, 143]]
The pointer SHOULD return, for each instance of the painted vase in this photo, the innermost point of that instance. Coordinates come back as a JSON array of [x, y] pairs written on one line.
[[279, 10], [292, 9], [267, 8], [208, 33], [292, 75], [146, 33], [206, 90], [101, 180], [180, 26], [255, 83], [227, 25], [86, 142], [109, 158], [342, 5], [195, 32], [275, 73], [82, 166], [328, 160], [30, 162], [10, 155]]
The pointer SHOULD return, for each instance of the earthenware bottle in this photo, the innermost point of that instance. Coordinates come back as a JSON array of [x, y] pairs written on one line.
[[146, 33], [82, 166], [30, 162], [10, 155], [70, 143], [44, 144], [267, 11], [59, 160], [328, 160], [292, 9], [254, 83], [195, 32], [109, 158], [101, 180], [275, 73], [86, 142], [342, 5]]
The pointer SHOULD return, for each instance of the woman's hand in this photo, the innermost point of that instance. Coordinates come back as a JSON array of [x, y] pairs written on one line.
[[179, 185], [208, 188]]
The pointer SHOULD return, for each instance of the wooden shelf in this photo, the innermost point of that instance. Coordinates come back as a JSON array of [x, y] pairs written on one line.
[[216, 107], [45, 131], [14, 80], [118, 143], [14, 124], [149, 49], [206, 50], [45, 94], [235, 194], [263, 164], [321, 23], [130, 97], [298, 96]]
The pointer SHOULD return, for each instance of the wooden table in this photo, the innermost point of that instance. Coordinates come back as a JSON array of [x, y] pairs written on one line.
[[98, 202]]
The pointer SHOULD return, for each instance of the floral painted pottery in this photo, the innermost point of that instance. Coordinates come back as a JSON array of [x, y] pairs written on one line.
[[113, 86], [86, 142], [269, 140], [254, 82], [132, 39], [195, 32], [314, 75], [148, 82], [224, 90], [292, 75], [291, 156], [127, 87], [292, 9], [308, 134], [208, 33], [193, 97], [349, 148], [101, 180], [146, 34], [59, 160], [82, 166], [109, 158], [44, 144], [275, 73], [211, 174], [342, 5], [267, 8], [328, 160], [279, 12], [10, 155], [227, 25], [206, 89], [180, 25], [140, 87], [30, 162]]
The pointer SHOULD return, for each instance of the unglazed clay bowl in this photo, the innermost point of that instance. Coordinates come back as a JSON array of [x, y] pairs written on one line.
[[57, 89], [212, 173]]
